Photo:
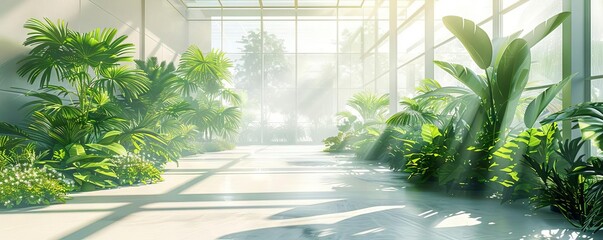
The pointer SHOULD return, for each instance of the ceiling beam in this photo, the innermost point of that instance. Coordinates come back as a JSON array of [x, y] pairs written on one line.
[[281, 7]]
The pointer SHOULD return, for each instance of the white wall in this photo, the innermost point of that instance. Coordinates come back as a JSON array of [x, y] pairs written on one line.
[[200, 34], [164, 28]]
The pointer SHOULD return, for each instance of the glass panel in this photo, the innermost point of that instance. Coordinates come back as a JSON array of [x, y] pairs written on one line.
[[316, 14], [350, 36], [240, 3], [317, 36], [250, 122], [547, 54], [369, 27], [316, 106], [316, 70], [272, 3], [279, 104], [350, 13], [408, 9], [355, 3], [241, 13], [247, 70], [321, 3], [508, 3], [382, 84], [463, 8], [411, 75], [216, 34], [279, 70], [411, 40], [597, 39], [350, 71], [202, 3], [279, 36], [241, 36], [383, 57]]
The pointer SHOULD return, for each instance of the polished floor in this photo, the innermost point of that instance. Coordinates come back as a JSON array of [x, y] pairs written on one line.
[[280, 192]]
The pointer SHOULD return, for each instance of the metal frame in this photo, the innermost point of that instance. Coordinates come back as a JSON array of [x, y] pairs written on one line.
[[261, 5], [576, 60], [393, 57]]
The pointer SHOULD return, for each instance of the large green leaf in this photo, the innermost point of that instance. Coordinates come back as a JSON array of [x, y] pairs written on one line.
[[475, 39], [511, 77], [83, 158], [545, 28], [76, 150], [589, 116], [130, 82], [499, 45], [112, 148], [414, 113], [538, 105], [429, 132], [466, 76]]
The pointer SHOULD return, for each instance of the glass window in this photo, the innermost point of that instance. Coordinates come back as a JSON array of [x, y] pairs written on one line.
[[411, 75], [462, 8], [411, 40], [547, 54], [350, 36], [279, 70], [597, 38], [241, 36], [317, 36], [350, 71], [316, 70], [279, 36]]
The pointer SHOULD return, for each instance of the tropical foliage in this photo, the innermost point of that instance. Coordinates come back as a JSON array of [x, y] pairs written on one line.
[[466, 137], [23, 183], [360, 126], [100, 123]]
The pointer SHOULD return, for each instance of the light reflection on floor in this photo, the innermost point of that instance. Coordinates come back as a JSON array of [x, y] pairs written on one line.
[[281, 192]]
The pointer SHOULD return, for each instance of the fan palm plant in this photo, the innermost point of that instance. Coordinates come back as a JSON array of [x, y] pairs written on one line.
[[79, 125], [216, 107], [359, 127], [369, 107]]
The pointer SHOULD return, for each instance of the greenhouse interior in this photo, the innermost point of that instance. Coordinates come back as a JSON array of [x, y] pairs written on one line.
[[301, 119]]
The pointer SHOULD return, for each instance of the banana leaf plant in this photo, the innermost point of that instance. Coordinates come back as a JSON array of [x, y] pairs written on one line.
[[506, 67]]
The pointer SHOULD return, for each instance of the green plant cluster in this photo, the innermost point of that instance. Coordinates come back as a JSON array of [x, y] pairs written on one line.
[[23, 184], [467, 137], [135, 168], [361, 126], [97, 111]]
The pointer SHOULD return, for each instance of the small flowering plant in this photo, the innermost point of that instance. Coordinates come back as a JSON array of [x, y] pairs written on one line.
[[24, 184], [136, 168]]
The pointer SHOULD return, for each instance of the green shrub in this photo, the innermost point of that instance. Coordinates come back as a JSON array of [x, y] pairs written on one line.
[[23, 184], [215, 145], [134, 168]]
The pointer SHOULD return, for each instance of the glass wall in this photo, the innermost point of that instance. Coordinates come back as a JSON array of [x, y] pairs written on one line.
[[297, 67]]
